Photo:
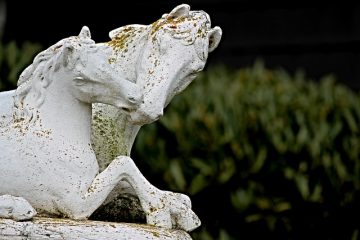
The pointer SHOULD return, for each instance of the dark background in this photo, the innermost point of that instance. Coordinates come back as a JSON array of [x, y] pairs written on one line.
[[318, 39]]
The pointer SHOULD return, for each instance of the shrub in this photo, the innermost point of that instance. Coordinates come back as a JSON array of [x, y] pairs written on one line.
[[261, 154], [14, 59]]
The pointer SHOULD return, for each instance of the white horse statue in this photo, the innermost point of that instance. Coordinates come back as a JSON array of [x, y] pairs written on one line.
[[47, 158], [174, 49]]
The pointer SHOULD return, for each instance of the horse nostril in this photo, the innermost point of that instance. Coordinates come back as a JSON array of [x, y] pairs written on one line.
[[136, 99], [125, 109]]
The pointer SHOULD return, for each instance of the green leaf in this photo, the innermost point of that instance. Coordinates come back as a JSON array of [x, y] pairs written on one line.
[[198, 183], [253, 218], [289, 173], [260, 160], [224, 235], [302, 183], [263, 203], [340, 168], [227, 170], [241, 199], [177, 174], [11, 54], [282, 206], [316, 195], [202, 166], [355, 234], [350, 120]]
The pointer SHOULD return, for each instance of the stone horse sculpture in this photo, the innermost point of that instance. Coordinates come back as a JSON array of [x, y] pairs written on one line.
[[175, 50], [47, 153]]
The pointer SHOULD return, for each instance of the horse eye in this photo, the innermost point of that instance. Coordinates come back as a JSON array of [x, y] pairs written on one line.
[[79, 81]]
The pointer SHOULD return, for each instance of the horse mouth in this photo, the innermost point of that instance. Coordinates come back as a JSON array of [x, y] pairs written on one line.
[[139, 118], [126, 110]]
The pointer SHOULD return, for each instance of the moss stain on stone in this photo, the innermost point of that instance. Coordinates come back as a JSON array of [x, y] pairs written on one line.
[[111, 136]]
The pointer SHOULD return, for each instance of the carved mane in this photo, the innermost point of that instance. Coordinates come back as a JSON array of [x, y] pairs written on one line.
[[191, 27], [38, 76]]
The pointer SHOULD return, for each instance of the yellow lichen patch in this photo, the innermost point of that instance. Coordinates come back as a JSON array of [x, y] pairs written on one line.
[[111, 60], [171, 21], [123, 38], [188, 28], [201, 33], [43, 133]]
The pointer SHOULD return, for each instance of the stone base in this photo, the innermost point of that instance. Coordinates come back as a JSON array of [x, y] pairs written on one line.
[[56, 228]]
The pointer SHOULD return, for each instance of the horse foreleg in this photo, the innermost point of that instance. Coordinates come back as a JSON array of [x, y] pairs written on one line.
[[162, 208], [81, 206], [16, 208]]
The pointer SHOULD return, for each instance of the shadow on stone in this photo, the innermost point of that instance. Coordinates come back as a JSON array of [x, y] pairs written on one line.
[[125, 208]]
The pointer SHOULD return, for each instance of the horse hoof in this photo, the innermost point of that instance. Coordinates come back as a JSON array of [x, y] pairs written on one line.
[[159, 218], [187, 220], [16, 208], [184, 199], [174, 212]]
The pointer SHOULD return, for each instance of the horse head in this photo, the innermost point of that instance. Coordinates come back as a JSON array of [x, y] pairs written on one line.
[[176, 49], [96, 80], [74, 67]]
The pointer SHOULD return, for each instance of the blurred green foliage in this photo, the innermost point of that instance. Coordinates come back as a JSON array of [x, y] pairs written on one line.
[[263, 154], [13, 60]]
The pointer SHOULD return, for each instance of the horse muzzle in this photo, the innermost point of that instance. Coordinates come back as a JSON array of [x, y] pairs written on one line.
[[140, 117]]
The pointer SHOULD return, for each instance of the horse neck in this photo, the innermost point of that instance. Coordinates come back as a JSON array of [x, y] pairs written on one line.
[[125, 64], [126, 59], [128, 63], [119, 137], [62, 114], [122, 134], [130, 132]]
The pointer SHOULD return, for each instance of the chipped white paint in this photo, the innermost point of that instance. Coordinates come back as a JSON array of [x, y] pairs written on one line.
[[47, 154]]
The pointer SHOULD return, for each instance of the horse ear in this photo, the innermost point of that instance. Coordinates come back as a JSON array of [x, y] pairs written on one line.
[[181, 10], [68, 50], [214, 38], [85, 33], [117, 31], [64, 58]]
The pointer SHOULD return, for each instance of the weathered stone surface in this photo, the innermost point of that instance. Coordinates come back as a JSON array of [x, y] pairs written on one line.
[[65, 229], [113, 131]]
